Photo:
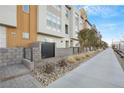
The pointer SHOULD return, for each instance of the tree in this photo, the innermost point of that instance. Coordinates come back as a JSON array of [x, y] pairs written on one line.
[[83, 38], [89, 38]]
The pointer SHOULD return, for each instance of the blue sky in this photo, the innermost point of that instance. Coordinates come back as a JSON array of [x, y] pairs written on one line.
[[109, 20]]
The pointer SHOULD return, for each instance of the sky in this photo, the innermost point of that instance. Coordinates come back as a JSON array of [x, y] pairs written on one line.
[[109, 20]]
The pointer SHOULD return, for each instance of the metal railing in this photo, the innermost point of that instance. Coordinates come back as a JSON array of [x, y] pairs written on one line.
[[28, 53]]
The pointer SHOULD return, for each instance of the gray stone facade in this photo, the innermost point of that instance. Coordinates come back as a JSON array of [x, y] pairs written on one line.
[[36, 54], [36, 50], [31, 55], [59, 52], [10, 56]]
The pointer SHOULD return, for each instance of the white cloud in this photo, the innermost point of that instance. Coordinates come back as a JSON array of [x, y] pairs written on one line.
[[103, 11]]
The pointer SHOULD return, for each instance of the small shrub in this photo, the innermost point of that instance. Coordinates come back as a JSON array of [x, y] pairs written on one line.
[[83, 56], [62, 63], [87, 55], [78, 57], [49, 68], [71, 59]]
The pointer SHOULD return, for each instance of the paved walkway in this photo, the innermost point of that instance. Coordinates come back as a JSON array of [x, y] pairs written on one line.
[[17, 76], [25, 81], [101, 71], [12, 71]]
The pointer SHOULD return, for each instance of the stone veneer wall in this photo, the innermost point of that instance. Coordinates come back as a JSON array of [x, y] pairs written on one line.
[[10, 56], [60, 52], [36, 54], [36, 50]]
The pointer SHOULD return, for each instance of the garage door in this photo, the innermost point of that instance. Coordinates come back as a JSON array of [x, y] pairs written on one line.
[[2, 37]]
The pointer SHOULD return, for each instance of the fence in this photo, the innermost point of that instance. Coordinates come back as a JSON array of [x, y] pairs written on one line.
[[66, 51], [34, 54], [76, 50], [48, 50], [28, 53]]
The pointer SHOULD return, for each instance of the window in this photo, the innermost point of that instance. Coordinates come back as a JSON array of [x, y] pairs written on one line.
[[66, 28], [25, 35], [76, 22], [53, 22], [67, 14], [26, 8]]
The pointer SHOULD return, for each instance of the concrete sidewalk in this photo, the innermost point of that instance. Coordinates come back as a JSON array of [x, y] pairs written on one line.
[[102, 71], [17, 76]]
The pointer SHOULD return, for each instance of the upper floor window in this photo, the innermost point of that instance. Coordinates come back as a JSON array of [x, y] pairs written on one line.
[[66, 28], [53, 21], [67, 14], [26, 8]]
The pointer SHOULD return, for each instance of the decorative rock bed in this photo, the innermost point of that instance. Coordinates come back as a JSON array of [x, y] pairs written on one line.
[[53, 68]]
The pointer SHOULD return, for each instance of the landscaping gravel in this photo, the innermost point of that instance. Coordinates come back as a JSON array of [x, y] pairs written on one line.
[[57, 68]]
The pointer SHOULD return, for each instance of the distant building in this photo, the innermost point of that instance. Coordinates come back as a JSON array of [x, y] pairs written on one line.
[[86, 23]]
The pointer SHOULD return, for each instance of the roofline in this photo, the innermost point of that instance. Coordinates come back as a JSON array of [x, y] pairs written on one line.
[[89, 22]]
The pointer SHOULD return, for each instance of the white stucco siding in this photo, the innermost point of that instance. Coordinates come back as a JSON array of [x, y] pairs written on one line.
[[8, 15], [60, 42], [122, 46], [74, 43], [42, 23], [2, 37]]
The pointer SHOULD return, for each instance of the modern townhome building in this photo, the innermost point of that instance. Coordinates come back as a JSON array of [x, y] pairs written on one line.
[[54, 25], [76, 26], [22, 25], [18, 25], [57, 24], [60, 24]]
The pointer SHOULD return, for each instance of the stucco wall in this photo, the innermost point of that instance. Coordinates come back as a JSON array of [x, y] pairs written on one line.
[[2, 37], [122, 46], [42, 23], [8, 15], [60, 42]]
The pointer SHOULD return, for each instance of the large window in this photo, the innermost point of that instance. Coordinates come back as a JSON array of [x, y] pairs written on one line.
[[26, 8], [67, 11], [53, 22], [58, 7], [76, 22]]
